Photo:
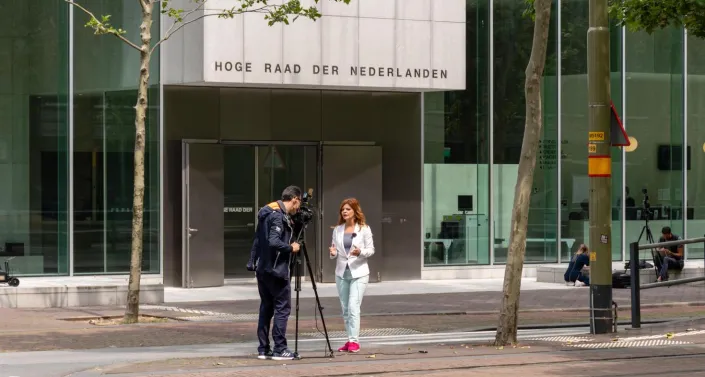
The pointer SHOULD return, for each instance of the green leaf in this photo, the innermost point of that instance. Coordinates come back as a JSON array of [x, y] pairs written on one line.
[[652, 15]]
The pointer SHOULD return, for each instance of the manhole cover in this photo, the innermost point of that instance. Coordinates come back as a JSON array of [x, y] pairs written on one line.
[[366, 333], [631, 344]]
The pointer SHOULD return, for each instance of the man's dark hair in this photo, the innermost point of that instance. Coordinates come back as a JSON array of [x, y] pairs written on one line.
[[290, 193], [666, 230]]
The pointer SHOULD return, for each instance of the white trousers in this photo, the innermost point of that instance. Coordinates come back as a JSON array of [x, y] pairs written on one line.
[[351, 292]]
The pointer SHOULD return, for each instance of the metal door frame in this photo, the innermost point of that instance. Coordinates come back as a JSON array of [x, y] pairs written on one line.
[[318, 253], [185, 207]]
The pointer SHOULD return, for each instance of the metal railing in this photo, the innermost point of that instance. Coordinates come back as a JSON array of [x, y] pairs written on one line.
[[635, 278]]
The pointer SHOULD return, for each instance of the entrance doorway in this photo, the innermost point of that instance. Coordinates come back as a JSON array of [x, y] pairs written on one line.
[[224, 186], [226, 183]]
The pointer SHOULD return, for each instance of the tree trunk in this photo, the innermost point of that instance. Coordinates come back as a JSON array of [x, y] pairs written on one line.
[[133, 289], [508, 317]]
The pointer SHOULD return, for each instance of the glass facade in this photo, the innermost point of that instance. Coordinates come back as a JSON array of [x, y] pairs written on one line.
[[104, 95], [68, 169], [67, 136], [473, 139], [34, 86]]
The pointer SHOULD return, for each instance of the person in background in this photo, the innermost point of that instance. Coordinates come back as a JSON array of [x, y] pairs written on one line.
[[352, 245], [574, 274], [672, 255]]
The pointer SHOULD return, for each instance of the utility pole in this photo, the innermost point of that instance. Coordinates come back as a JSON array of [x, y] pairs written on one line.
[[600, 169]]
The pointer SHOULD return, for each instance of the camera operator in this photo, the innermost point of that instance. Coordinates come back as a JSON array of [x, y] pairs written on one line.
[[271, 258], [672, 257]]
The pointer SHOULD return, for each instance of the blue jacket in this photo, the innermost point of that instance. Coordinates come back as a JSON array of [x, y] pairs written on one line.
[[271, 252]]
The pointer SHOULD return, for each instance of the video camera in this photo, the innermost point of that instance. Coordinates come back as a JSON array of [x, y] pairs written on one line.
[[645, 205], [305, 214]]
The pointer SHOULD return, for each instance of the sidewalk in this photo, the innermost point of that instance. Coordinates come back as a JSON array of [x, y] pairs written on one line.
[[534, 297], [530, 358], [236, 321], [246, 289]]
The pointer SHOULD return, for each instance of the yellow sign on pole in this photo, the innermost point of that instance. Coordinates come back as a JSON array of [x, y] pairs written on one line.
[[596, 136], [592, 148], [599, 166], [593, 256]]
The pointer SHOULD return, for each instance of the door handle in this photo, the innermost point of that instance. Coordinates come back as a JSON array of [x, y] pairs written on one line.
[[190, 231]]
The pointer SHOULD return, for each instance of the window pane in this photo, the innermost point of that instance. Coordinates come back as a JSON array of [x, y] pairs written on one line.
[[456, 202], [695, 209], [654, 118], [105, 77], [575, 184], [512, 46], [33, 129]]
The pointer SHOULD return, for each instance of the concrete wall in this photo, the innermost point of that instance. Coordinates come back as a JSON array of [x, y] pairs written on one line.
[[383, 44]]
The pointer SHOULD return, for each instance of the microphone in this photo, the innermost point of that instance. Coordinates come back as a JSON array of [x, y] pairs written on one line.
[[351, 239]]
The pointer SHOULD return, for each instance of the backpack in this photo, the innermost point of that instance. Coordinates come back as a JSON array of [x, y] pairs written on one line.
[[621, 279]]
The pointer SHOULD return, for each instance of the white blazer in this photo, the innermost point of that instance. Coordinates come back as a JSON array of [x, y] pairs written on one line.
[[363, 240]]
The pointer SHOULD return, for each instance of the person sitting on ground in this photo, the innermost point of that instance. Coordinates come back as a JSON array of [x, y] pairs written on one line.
[[574, 274], [672, 256]]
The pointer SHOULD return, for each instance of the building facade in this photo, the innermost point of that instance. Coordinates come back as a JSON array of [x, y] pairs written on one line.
[[417, 109], [473, 138]]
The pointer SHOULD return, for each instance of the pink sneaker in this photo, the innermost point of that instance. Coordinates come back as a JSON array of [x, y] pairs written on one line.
[[344, 348], [354, 347]]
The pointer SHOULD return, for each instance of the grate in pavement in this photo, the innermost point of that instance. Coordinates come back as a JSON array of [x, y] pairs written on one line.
[[221, 318], [180, 310], [631, 344], [365, 333], [563, 339], [662, 336], [203, 315]]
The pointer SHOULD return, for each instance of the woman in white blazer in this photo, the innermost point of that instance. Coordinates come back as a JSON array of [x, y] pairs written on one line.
[[352, 245]]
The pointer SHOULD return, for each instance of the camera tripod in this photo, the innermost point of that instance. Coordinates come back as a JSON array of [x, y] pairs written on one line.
[[297, 287], [655, 256]]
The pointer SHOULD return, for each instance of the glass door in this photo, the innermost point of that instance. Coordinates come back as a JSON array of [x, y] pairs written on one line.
[[254, 177], [239, 209], [280, 166]]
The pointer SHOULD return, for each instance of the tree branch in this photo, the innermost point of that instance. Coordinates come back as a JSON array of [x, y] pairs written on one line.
[[174, 28], [171, 29], [101, 27]]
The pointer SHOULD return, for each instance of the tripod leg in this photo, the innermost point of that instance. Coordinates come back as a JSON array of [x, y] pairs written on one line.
[[318, 300], [297, 287], [642, 234]]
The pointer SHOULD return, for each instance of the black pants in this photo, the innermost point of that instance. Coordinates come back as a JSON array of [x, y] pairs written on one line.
[[275, 301]]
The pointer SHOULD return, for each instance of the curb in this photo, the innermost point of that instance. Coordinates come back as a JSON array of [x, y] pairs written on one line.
[[543, 310]]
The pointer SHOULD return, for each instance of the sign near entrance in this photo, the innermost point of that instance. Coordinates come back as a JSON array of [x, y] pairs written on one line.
[[411, 46], [333, 70], [238, 209]]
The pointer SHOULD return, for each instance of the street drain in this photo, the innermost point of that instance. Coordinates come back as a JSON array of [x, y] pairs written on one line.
[[221, 317], [563, 339], [366, 333], [631, 344], [203, 315]]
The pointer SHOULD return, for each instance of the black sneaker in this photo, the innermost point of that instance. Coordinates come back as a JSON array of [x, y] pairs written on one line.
[[265, 355], [284, 355]]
